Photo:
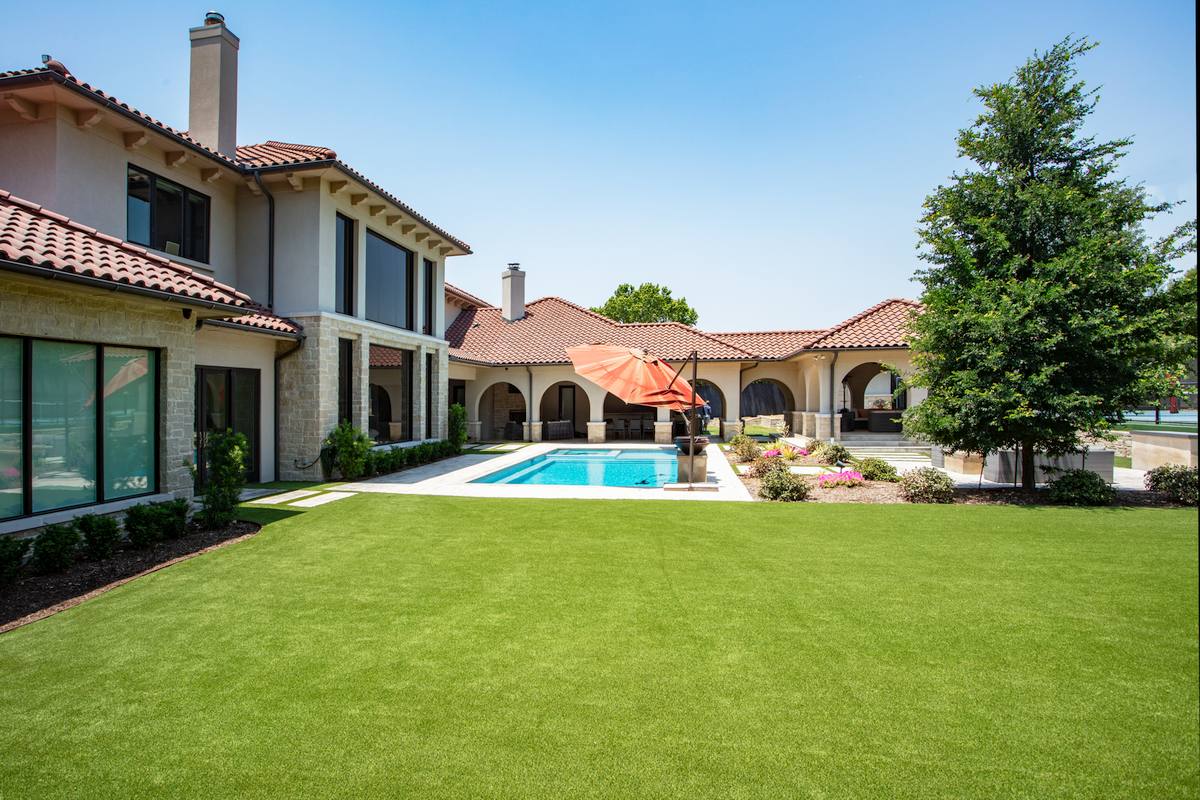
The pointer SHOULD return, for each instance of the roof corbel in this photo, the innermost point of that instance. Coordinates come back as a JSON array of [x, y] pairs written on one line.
[[444, 249], [434, 243], [134, 139], [88, 118], [25, 109], [175, 157], [375, 211], [420, 236], [210, 174], [392, 219], [295, 181], [252, 185], [337, 187], [407, 228], [355, 199]]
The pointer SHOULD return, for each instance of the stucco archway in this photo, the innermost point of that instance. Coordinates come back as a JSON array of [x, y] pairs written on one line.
[[566, 400], [716, 404], [501, 407], [767, 404]]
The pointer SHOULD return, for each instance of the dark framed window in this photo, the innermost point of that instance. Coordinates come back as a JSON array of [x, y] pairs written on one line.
[[344, 266], [389, 276], [428, 395], [428, 315], [166, 216], [78, 424], [345, 380], [227, 398]]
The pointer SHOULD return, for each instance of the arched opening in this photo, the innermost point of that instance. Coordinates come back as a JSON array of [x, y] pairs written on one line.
[[766, 406], [716, 406], [625, 421], [564, 411], [502, 413], [380, 418], [869, 399]]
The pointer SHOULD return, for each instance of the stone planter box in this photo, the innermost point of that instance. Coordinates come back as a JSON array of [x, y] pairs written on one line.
[[1002, 467], [700, 475], [963, 463], [1155, 448]]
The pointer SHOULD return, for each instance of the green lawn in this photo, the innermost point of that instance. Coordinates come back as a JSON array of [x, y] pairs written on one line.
[[1177, 427], [409, 646]]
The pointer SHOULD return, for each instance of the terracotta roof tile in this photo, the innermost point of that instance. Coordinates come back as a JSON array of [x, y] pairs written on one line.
[[266, 321], [248, 157], [551, 325], [38, 237], [881, 325], [381, 356], [771, 344]]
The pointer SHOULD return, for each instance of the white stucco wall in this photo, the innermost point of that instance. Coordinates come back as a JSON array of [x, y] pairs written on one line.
[[221, 347]]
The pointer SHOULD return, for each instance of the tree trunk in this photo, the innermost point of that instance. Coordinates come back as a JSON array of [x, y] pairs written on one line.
[[1028, 469]]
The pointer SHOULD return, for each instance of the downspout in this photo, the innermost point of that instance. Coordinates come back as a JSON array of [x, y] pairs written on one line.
[[270, 238], [832, 414], [275, 396]]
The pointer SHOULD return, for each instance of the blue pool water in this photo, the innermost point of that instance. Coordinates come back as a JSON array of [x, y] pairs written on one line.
[[1180, 417], [641, 468]]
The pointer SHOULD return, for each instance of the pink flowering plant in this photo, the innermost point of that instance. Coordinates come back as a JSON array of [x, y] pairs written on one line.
[[772, 453], [837, 480]]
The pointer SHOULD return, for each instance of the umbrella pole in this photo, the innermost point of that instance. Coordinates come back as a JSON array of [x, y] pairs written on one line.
[[692, 426]]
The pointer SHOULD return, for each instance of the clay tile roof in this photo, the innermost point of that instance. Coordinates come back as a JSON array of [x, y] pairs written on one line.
[[32, 235], [272, 153], [268, 154], [465, 297], [881, 325], [381, 356], [771, 344], [266, 321], [551, 324]]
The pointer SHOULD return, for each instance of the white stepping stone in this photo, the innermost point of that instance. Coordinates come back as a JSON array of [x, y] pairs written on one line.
[[321, 500], [509, 447], [286, 497]]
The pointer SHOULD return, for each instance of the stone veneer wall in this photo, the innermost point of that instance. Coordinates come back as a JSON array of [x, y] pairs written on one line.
[[58, 310], [308, 387]]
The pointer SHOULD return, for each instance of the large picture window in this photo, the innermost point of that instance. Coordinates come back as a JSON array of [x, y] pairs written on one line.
[[389, 282], [166, 216], [78, 424], [344, 266], [429, 277]]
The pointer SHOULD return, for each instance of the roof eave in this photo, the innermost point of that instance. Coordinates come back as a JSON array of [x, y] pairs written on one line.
[[244, 328]]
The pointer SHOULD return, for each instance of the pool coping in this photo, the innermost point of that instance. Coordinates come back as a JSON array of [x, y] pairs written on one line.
[[467, 467]]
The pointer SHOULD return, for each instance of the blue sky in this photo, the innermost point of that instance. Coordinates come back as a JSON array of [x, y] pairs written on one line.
[[767, 161]]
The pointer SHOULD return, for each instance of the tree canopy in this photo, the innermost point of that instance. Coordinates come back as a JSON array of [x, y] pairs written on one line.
[[1046, 306], [647, 303]]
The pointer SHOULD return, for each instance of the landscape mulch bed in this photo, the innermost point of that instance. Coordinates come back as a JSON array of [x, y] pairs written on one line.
[[33, 597]]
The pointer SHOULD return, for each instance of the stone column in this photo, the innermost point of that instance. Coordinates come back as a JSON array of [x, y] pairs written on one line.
[[595, 432], [535, 431], [662, 432], [795, 423], [822, 430], [730, 428]]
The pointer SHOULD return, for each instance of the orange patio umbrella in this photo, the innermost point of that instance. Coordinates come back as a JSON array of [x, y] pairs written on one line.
[[633, 376]]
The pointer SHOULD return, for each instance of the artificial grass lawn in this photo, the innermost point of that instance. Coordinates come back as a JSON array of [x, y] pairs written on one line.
[[386, 646]]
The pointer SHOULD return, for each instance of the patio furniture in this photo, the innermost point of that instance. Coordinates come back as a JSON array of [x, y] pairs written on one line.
[[559, 429], [886, 421], [635, 429], [514, 431], [616, 429]]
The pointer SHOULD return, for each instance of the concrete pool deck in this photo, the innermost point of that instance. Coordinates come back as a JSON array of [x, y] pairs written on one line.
[[452, 478]]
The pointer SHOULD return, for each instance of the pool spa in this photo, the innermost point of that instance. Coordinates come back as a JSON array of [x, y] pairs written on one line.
[[642, 468]]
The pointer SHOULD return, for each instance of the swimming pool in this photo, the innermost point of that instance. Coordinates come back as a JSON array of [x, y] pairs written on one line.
[[642, 468]]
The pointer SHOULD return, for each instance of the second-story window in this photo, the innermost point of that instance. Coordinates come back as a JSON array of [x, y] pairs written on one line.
[[429, 276], [166, 216], [344, 261], [389, 282]]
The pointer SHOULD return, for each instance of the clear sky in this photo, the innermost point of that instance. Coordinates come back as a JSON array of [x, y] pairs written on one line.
[[767, 161]]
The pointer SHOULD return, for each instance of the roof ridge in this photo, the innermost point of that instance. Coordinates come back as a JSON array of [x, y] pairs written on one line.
[[87, 230], [766, 332], [860, 315]]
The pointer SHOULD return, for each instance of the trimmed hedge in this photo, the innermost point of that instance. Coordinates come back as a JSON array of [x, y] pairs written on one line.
[[12, 555], [927, 485], [101, 535], [55, 547], [1180, 483], [1080, 487], [381, 462], [876, 469]]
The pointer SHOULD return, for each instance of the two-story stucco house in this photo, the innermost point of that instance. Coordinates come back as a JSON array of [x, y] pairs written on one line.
[[157, 284]]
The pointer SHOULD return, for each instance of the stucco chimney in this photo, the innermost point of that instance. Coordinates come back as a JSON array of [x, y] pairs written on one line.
[[212, 105], [512, 293]]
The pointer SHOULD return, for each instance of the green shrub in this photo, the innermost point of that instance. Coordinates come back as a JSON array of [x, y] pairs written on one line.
[[832, 453], [143, 525], [100, 535], [173, 517], [1179, 483], [12, 553], [226, 477], [1080, 487], [744, 448], [54, 549], [457, 427], [876, 469], [927, 485], [783, 485], [350, 448]]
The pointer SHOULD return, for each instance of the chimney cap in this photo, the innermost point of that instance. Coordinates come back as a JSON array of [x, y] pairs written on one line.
[[515, 265], [214, 18]]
